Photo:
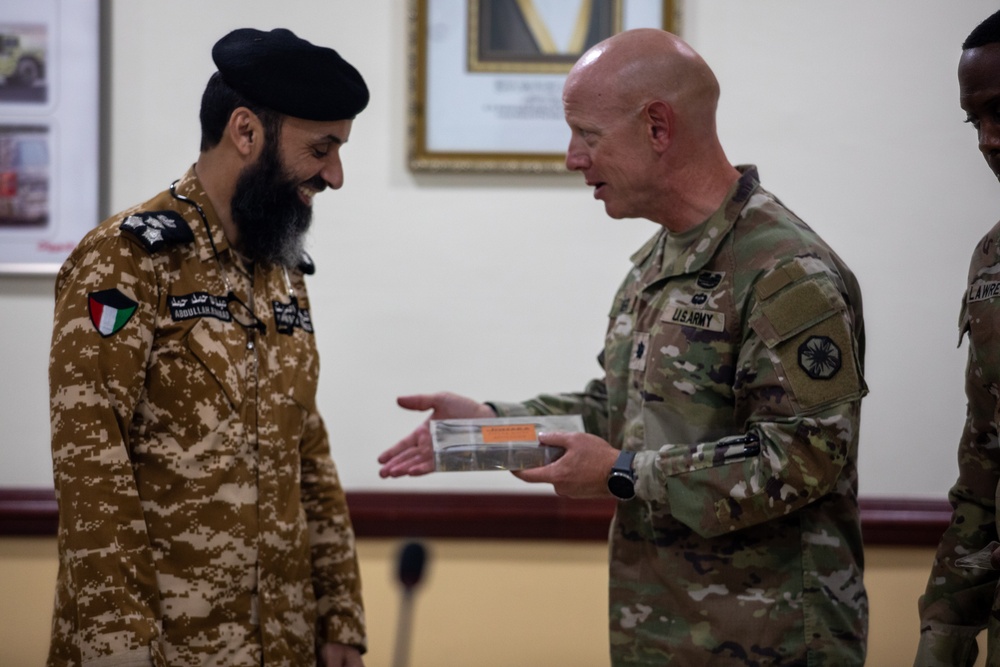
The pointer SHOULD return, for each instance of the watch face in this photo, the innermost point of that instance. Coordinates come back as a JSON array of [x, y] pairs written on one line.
[[621, 486]]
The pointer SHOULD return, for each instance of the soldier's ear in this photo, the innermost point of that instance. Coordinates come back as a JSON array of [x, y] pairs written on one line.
[[245, 131], [659, 119]]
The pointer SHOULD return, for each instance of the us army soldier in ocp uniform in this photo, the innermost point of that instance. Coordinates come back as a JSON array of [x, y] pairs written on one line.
[[726, 419], [963, 599], [201, 519]]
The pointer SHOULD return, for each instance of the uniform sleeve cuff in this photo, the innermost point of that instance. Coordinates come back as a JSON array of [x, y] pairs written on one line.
[[943, 645], [509, 409], [649, 484]]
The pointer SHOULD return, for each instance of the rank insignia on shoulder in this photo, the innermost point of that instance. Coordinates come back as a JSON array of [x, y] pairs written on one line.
[[110, 310], [155, 229]]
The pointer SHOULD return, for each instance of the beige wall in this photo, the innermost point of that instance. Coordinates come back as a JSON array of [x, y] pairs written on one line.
[[433, 281], [482, 603]]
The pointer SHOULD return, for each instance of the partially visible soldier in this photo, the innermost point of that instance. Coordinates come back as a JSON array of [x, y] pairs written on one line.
[[726, 419], [201, 519], [962, 598]]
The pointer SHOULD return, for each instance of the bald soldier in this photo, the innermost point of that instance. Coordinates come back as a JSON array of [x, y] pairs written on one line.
[[201, 520], [725, 420], [963, 595]]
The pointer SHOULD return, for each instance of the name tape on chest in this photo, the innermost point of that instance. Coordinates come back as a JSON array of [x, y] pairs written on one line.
[[983, 290], [694, 317], [287, 316], [199, 304]]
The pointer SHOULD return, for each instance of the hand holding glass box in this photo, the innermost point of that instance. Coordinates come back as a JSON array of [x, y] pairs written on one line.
[[501, 443]]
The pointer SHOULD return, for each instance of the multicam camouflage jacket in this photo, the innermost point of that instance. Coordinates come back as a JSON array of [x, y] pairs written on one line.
[[742, 551], [961, 601], [201, 519]]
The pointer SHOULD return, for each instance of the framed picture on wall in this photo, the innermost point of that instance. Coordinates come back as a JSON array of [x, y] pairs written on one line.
[[486, 77], [49, 127]]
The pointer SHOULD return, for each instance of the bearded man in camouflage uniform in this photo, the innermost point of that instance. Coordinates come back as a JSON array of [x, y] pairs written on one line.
[[726, 420], [201, 519], [962, 597]]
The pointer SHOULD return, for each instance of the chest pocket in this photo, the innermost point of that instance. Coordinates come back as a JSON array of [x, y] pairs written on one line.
[[194, 384], [690, 346], [222, 353], [670, 360]]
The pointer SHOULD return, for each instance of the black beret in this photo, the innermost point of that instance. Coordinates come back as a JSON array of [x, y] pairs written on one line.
[[289, 75]]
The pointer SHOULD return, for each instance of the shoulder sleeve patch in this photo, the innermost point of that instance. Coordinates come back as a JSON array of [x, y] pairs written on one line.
[[110, 310], [155, 229], [807, 327]]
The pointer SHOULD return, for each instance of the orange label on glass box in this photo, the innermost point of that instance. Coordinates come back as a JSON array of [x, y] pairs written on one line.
[[509, 433]]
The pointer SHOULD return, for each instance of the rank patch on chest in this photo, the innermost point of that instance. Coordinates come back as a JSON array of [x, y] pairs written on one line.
[[110, 310], [819, 357], [155, 229], [640, 350], [709, 320], [983, 290], [288, 316]]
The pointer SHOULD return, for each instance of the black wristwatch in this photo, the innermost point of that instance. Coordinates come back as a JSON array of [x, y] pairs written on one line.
[[621, 480]]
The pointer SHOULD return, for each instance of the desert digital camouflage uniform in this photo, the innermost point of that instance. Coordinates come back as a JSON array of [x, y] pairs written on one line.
[[734, 552], [201, 519], [961, 601]]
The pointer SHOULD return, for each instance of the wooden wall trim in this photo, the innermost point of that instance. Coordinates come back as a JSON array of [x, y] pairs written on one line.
[[885, 521]]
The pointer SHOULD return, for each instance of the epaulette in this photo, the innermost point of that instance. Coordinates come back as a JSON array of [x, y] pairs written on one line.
[[155, 229], [306, 264]]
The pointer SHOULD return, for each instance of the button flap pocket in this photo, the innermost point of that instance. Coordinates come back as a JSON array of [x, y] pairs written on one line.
[[211, 342]]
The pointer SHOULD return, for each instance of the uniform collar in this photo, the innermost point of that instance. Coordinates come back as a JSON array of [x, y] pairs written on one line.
[[702, 248], [190, 186]]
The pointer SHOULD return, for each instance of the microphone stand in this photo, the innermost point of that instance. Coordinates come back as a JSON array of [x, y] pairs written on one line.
[[411, 565]]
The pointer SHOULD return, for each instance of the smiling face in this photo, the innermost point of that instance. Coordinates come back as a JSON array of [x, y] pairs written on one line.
[[310, 153], [979, 86], [272, 201]]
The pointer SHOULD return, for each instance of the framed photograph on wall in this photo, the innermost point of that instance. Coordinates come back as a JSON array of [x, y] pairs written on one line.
[[49, 130], [486, 77]]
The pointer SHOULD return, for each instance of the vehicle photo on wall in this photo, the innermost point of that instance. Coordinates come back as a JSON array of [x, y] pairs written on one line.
[[24, 149], [23, 48], [24, 175], [49, 130]]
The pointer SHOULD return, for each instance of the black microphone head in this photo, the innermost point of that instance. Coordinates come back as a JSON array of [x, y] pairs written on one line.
[[411, 564]]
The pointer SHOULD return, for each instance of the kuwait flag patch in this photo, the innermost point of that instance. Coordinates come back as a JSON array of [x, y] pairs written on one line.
[[110, 310]]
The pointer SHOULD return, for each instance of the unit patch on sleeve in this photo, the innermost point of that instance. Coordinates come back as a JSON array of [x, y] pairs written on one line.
[[819, 357], [110, 310], [155, 229]]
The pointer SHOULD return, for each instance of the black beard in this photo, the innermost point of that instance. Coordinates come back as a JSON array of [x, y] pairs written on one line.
[[270, 218]]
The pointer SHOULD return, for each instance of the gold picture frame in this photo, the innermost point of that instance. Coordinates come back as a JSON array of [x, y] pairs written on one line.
[[486, 77]]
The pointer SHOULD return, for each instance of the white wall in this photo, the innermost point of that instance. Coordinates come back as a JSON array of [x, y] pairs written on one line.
[[498, 286]]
